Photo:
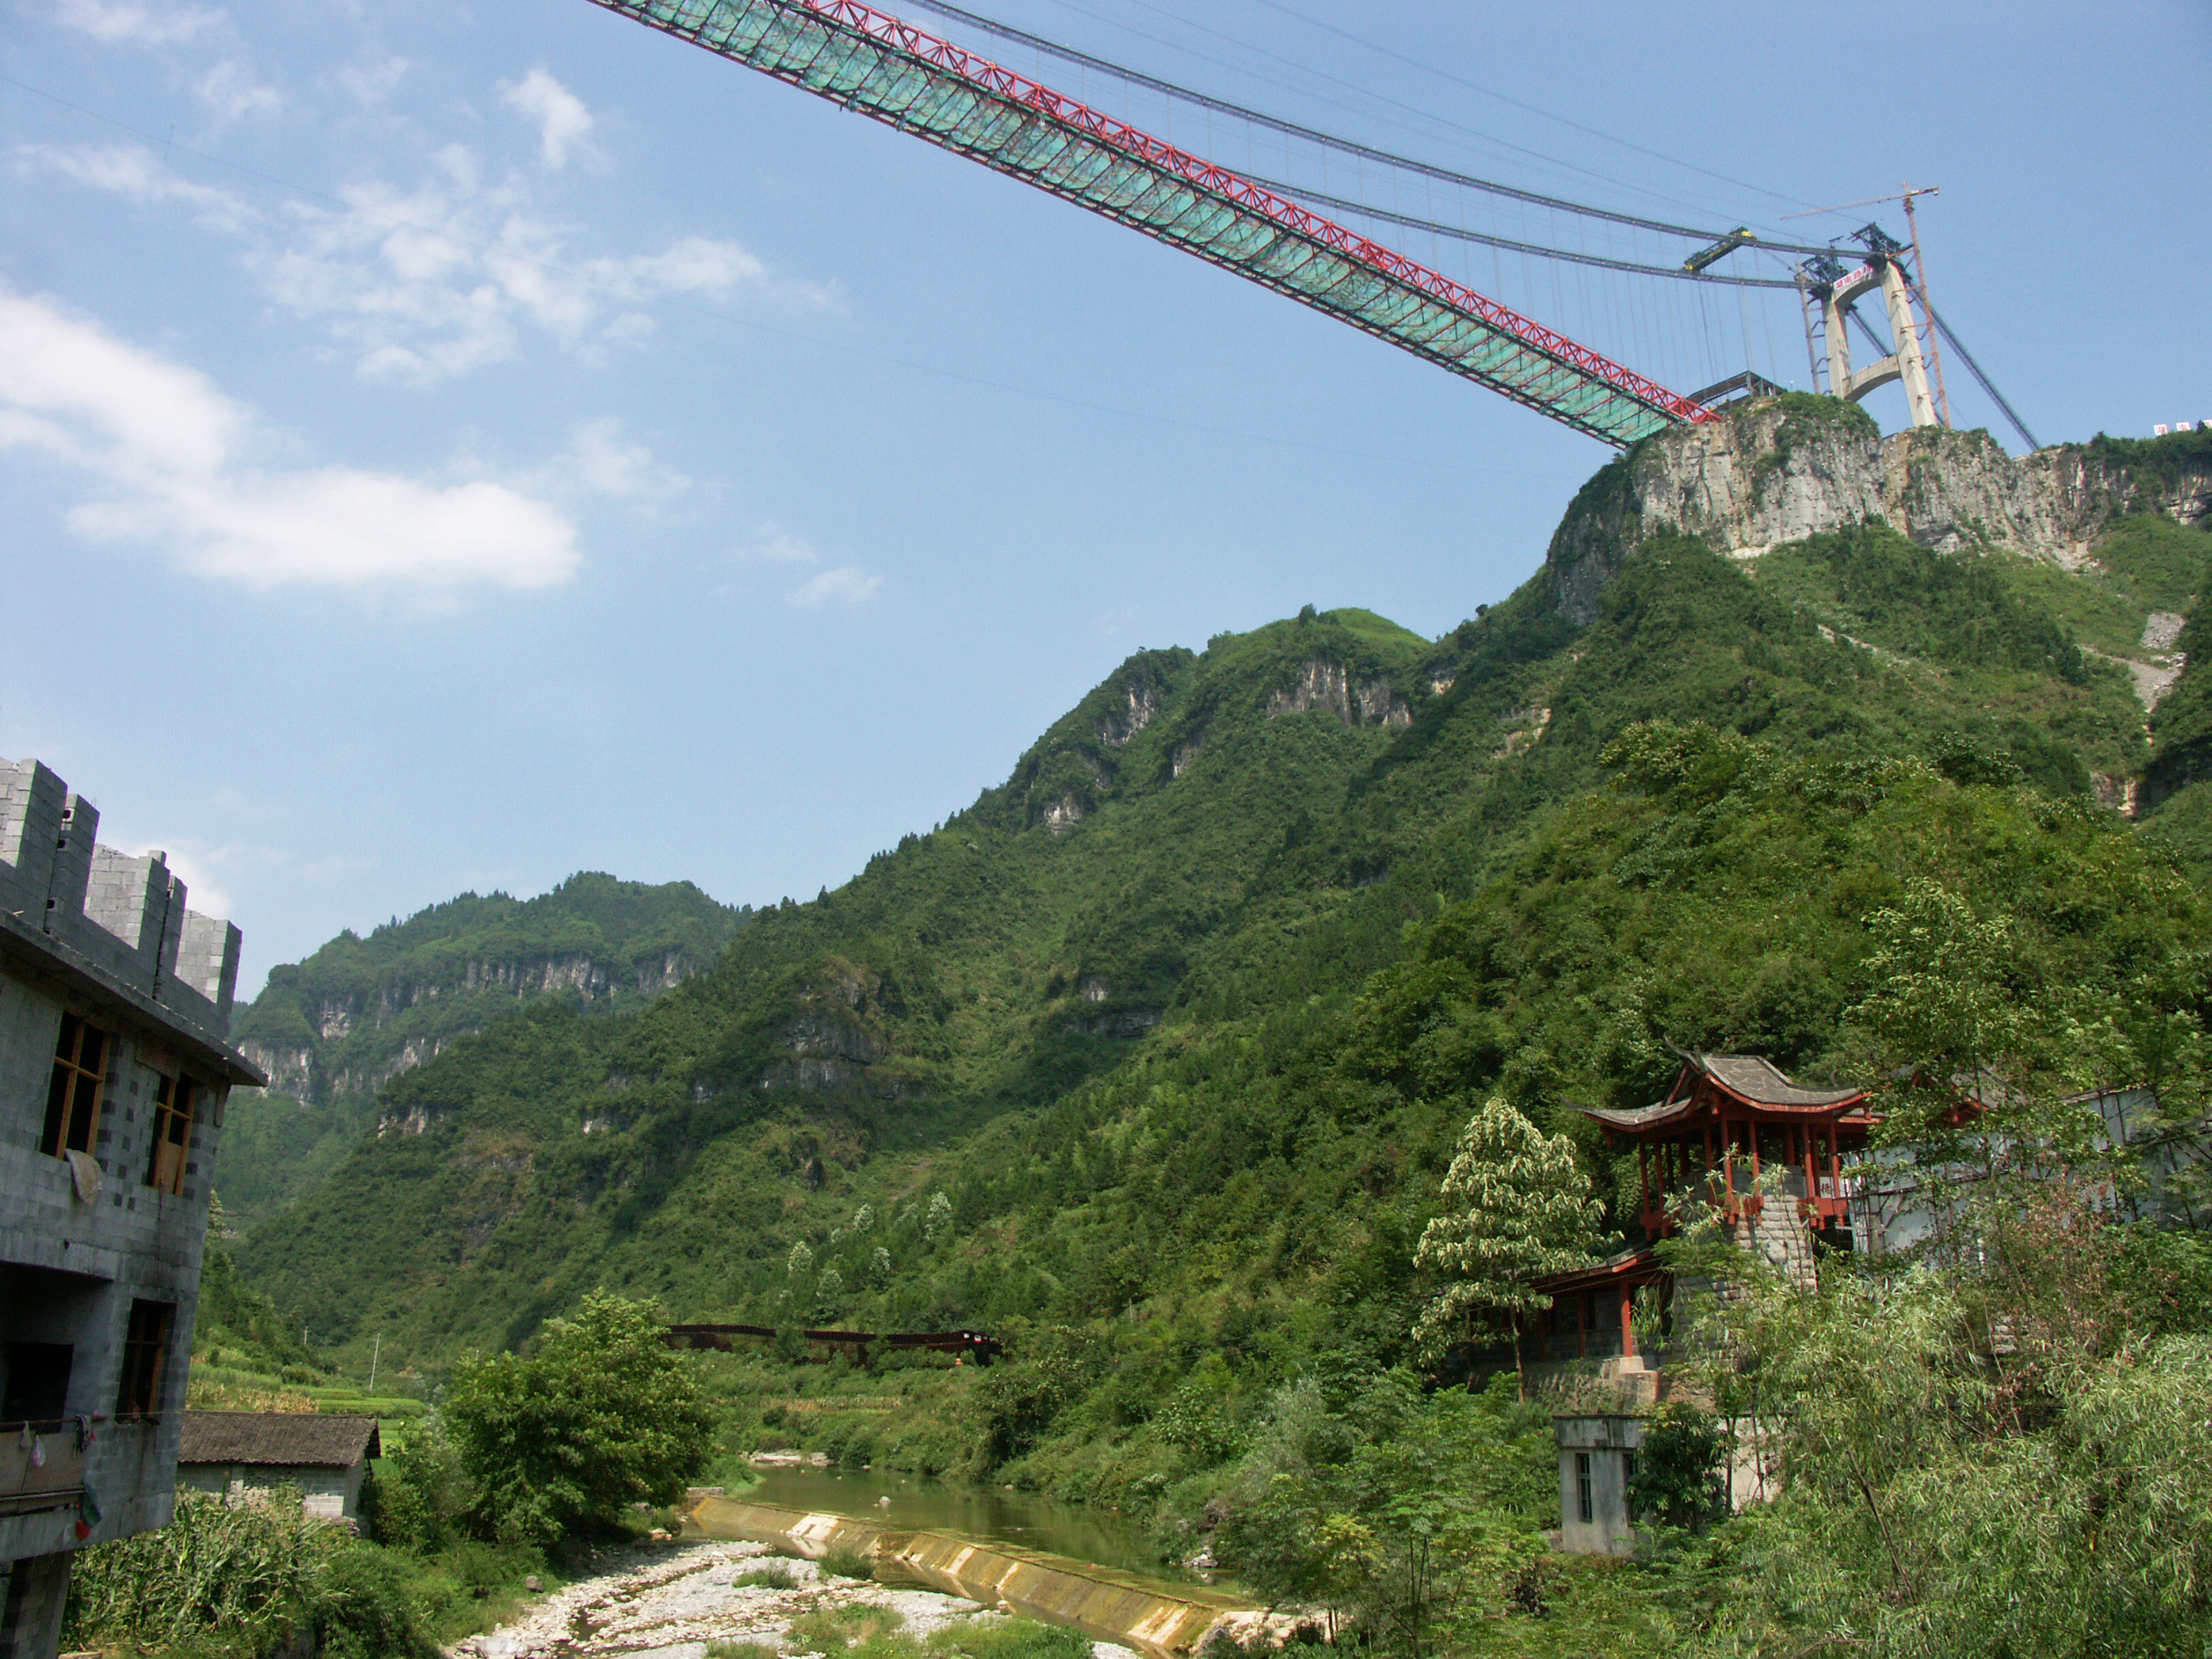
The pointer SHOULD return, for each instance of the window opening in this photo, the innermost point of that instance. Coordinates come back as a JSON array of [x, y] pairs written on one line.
[[176, 1102], [145, 1351], [37, 1390], [1628, 1482], [1585, 1503], [73, 1097]]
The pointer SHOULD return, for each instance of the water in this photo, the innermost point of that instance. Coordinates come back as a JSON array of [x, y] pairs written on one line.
[[1009, 1518]]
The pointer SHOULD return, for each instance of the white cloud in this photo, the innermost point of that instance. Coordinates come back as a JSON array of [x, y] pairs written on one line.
[[841, 582], [133, 172], [370, 84], [425, 285], [601, 461], [564, 123], [233, 93], [430, 284], [164, 445], [128, 23], [787, 549]]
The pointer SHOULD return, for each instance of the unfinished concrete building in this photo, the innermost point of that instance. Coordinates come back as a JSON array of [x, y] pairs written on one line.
[[115, 1006]]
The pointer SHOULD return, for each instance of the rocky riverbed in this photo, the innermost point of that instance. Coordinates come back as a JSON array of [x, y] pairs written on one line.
[[674, 1601]]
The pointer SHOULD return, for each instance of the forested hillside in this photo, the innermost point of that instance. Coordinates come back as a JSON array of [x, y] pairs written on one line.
[[331, 1029], [1164, 1042]]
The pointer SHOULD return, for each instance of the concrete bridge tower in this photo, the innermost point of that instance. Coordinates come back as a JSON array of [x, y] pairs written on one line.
[[1882, 271]]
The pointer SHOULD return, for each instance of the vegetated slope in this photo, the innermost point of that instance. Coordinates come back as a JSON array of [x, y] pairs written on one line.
[[1111, 1015], [329, 1031]]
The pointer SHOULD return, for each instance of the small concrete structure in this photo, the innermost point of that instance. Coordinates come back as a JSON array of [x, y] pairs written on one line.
[[115, 1064], [1597, 1458], [251, 1454]]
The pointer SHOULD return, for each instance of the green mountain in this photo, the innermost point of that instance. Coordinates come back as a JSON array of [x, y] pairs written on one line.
[[333, 1029], [1162, 1044]]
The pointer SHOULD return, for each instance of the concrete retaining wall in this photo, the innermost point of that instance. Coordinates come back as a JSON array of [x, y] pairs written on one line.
[[1159, 1620]]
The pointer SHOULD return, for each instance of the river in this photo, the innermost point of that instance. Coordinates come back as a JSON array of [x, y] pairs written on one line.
[[1009, 1518]]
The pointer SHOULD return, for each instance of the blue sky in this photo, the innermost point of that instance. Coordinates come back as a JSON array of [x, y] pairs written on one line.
[[448, 447]]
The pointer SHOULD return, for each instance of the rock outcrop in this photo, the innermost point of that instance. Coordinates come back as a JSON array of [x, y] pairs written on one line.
[[1322, 683], [1781, 468]]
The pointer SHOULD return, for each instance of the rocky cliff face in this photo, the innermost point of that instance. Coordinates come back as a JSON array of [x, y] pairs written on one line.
[[335, 1066], [1781, 468]]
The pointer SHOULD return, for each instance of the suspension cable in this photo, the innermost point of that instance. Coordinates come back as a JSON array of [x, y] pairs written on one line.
[[1436, 228], [1345, 146], [1982, 380]]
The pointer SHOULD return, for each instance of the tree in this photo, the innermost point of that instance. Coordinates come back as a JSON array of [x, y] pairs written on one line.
[[1521, 1208], [600, 1415], [1678, 1477]]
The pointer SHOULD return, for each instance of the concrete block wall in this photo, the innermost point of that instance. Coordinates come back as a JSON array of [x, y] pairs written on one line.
[[71, 1268], [207, 960], [87, 925], [31, 1611], [126, 916], [31, 802], [143, 905]]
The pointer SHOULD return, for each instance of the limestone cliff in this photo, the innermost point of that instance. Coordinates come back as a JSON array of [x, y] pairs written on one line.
[[1781, 469], [361, 1010]]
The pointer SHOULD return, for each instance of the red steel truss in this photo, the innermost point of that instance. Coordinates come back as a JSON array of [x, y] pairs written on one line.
[[959, 99]]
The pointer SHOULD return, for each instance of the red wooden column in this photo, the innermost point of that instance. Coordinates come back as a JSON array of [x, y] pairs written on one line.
[[1627, 1322]]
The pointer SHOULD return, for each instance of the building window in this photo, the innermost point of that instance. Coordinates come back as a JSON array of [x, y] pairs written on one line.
[[73, 1097], [1628, 1482], [145, 1350], [174, 1102], [1585, 1501], [37, 1389]]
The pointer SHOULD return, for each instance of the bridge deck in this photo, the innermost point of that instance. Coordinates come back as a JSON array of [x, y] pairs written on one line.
[[897, 74]]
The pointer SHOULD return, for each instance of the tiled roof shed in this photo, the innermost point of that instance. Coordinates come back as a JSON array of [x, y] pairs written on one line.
[[282, 1439]]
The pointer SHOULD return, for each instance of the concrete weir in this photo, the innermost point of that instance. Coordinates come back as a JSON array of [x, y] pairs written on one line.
[[1164, 1622]]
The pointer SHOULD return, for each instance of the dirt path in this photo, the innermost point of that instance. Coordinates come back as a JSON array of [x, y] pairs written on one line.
[[668, 1601]]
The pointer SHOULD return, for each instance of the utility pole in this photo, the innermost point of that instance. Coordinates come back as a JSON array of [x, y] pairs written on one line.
[[373, 1352]]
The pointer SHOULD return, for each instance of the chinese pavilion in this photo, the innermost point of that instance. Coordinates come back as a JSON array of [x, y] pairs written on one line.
[[1726, 1118]]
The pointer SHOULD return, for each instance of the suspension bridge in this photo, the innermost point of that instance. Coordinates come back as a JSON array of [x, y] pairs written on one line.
[[1275, 231]]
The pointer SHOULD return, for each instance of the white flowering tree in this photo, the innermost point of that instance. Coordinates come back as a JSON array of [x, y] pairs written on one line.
[[1519, 1207]]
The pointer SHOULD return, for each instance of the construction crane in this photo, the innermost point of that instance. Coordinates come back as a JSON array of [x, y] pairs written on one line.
[[867, 61]]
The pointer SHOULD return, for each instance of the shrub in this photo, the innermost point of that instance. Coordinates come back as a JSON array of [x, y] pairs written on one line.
[[363, 1610], [1678, 1468], [848, 1564], [774, 1576], [603, 1415], [244, 1581]]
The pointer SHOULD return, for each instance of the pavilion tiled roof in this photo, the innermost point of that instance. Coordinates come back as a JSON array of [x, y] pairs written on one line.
[[1758, 1080], [1750, 1078]]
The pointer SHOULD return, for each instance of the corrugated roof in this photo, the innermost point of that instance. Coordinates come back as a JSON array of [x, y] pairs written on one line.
[[301, 1439]]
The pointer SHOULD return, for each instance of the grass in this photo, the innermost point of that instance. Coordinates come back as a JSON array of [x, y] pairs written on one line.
[[774, 1576], [865, 1631], [848, 1564]]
